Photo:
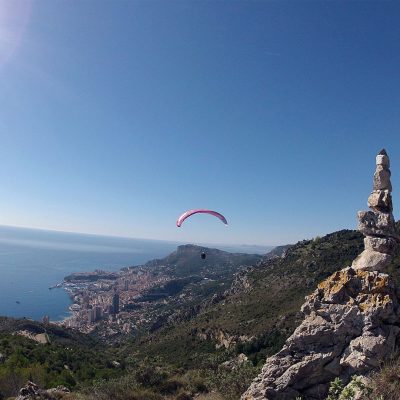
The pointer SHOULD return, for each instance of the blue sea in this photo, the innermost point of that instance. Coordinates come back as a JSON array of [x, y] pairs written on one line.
[[33, 260]]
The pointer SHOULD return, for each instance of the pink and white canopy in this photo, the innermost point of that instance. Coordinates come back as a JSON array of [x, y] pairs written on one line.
[[197, 211]]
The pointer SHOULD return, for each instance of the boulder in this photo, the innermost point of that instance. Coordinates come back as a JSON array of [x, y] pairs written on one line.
[[371, 260], [382, 179], [348, 328], [380, 200], [382, 244], [31, 391], [383, 160], [379, 224]]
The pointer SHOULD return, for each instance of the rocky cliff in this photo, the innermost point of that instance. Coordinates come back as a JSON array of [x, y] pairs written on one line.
[[351, 321]]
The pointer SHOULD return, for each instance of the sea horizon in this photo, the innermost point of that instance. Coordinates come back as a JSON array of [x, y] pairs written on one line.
[[33, 260]]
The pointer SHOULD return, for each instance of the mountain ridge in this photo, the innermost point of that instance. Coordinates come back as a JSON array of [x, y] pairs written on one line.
[[251, 312]]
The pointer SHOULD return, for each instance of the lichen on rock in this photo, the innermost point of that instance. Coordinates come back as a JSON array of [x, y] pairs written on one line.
[[351, 321], [349, 326]]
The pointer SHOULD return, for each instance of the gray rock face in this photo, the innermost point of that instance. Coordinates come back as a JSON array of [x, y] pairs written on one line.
[[383, 160], [380, 200], [371, 260], [351, 323], [382, 179], [378, 225], [33, 392], [381, 244]]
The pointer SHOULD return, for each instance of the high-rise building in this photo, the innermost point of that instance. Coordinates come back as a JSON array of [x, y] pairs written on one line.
[[126, 284], [85, 301], [115, 303], [46, 319], [91, 315], [98, 313]]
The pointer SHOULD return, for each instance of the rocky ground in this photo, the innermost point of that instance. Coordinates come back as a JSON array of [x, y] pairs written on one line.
[[351, 321], [350, 325], [31, 391]]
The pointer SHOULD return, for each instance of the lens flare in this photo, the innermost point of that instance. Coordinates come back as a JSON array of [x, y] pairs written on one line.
[[14, 17]]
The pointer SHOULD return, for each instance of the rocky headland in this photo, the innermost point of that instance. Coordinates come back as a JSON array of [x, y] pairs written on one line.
[[351, 321]]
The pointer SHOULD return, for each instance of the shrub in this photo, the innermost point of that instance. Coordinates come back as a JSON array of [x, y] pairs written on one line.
[[149, 376], [183, 396], [169, 386], [385, 384], [232, 384], [338, 391], [335, 389], [195, 382]]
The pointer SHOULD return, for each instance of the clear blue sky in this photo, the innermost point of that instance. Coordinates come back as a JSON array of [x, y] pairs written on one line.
[[116, 116]]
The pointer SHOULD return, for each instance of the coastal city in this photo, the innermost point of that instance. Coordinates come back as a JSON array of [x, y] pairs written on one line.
[[145, 297], [108, 301]]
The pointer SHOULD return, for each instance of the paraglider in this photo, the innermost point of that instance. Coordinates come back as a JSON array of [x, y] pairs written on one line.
[[189, 213]]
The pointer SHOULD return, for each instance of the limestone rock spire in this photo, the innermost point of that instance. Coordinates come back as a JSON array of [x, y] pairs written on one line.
[[378, 225], [350, 321]]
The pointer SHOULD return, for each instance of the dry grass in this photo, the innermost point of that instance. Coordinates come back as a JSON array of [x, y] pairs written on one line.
[[386, 382], [210, 396]]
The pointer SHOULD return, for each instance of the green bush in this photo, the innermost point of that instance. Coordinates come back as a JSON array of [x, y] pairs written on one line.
[[232, 384], [183, 396], [195, 381], [149, 376], [338, 391], [170, 386], [335, 389]]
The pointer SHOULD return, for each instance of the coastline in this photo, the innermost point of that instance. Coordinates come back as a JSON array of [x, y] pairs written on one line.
[[33, 260]]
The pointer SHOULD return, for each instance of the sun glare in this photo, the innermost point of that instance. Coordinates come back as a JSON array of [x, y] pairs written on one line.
[[14, 17]]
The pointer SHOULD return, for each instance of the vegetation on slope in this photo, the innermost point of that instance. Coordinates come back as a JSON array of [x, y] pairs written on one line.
[[186, 261], [255, 316], [259, 316], [70, 359], [254, 312]]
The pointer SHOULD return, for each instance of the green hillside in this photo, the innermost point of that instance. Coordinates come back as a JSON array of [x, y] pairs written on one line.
[[252, 311], [186, 260], [262, 307], [68, 358]]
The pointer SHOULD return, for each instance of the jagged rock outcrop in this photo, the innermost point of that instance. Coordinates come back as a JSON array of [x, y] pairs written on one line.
[[352, 320], [234, 363], [241, 283], [378, 225], [351, 324], [222, 339], [31, 391]]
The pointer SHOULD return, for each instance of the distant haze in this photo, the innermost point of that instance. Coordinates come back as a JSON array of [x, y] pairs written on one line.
[[32, 260], [118, 116]]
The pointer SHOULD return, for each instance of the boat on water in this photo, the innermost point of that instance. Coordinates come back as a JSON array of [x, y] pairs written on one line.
[[55, 286]]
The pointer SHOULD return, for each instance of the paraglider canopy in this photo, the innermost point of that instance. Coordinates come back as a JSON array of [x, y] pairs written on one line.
[[189, 213]]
